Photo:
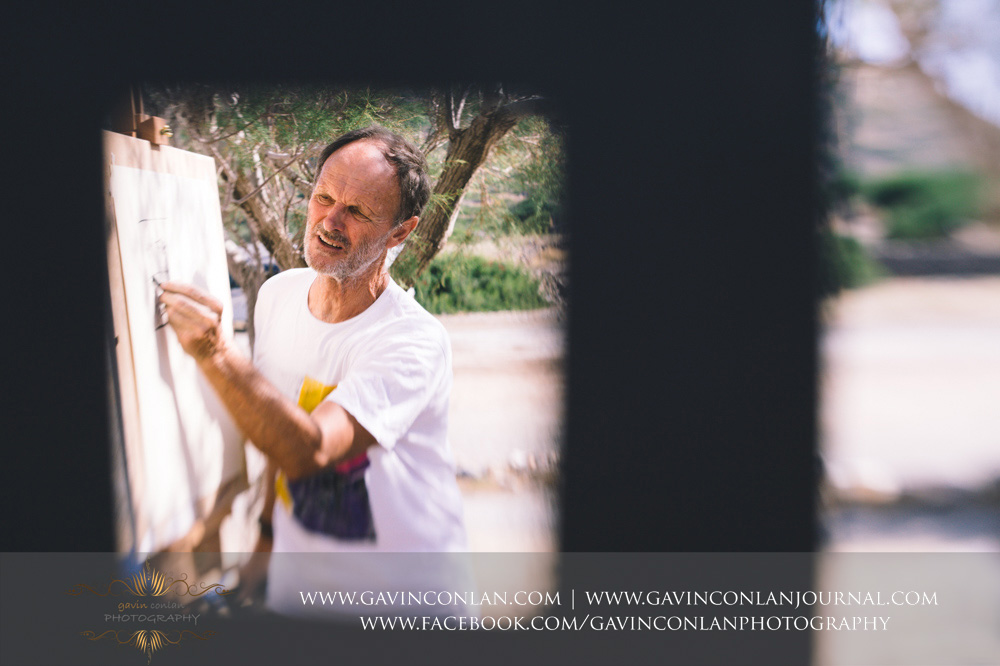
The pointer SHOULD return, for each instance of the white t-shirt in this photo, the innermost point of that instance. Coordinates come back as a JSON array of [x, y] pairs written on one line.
[[390, 368]]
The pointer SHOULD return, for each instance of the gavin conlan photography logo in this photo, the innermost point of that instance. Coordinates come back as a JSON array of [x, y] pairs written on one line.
[[147, 610]]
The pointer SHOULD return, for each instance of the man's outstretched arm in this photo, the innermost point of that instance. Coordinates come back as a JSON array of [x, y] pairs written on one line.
[[300, 443]]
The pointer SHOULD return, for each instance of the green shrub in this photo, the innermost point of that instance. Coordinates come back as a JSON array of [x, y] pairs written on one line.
[[497, 219], [844, 264], [843, 185], [925, 204], [460, 283], [534, 217]]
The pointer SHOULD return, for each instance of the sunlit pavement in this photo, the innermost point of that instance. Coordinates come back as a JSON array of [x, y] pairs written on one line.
[[910, 416], [505, 425], [910, 434], [910, 387]]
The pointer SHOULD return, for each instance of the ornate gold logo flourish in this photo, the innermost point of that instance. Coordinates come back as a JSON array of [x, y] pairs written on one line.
[[147, 640], [152, 583]]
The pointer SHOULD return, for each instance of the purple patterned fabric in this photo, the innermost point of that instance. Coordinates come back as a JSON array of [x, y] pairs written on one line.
[[335, 503]]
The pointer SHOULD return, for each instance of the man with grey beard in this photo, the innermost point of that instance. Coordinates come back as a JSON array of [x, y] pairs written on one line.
[[348, 391]]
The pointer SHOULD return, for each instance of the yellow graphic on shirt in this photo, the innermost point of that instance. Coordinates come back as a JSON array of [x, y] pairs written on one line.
[[310, 395]]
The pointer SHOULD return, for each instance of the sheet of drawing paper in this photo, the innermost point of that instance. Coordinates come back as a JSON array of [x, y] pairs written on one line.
[[170, 227]]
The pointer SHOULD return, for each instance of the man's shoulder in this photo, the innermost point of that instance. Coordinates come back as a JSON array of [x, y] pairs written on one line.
[[287, 279], [279, 289], [408, 309], [281, 286], [409, 318]]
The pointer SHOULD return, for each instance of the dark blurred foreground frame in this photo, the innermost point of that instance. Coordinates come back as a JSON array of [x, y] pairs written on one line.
[[691, 401]]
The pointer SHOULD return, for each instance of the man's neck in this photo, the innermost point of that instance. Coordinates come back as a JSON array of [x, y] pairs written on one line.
[[333, 301]]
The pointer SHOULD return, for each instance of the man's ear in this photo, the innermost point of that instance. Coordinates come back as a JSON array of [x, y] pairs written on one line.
[[401, 231]]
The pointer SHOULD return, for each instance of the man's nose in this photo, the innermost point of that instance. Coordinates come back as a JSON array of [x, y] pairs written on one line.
[[334, 218]]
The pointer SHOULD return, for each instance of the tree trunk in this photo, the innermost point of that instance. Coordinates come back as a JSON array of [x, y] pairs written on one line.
[[467, 150], [250, 277], [266, 226]]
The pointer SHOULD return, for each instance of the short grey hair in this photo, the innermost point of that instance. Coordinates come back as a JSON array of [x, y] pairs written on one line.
[[409, 162]]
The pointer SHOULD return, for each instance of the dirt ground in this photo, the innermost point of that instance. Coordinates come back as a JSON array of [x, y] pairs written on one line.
[[506, 424], [910, 386], [911, 438]]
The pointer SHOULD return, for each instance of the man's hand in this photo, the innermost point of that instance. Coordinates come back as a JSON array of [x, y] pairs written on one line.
[[196, 317]]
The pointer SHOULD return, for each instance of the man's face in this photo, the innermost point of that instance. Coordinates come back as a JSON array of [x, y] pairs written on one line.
[[351, 212]]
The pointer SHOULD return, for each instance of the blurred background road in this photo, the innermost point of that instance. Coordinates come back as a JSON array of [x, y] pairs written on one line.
[[909, 413]]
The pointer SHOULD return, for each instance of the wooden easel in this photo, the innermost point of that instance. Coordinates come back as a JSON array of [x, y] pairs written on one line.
[[141, 143], [129, 118]]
